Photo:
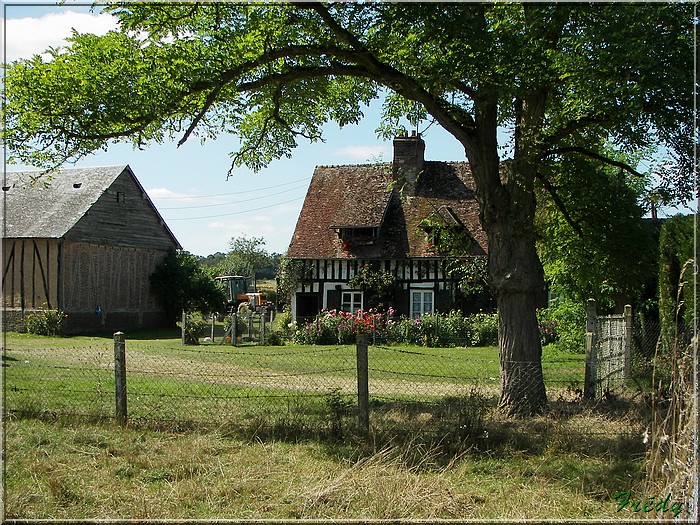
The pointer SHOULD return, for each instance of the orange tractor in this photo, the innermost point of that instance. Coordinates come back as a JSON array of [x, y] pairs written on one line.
[[237, 293]]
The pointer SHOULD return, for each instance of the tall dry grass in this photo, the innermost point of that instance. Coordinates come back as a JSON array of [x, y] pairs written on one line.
[[672, 439]]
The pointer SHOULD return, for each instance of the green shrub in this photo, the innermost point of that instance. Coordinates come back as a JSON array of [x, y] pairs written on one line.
[[431, 330], [483, 329], [338, 327], [273, 339], [45, 321], [547, 326], [194, 325], [570, 320], [283, 321], [406, 331]]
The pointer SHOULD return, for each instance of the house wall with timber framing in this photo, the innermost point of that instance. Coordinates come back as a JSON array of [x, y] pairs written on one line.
[[323, 282]]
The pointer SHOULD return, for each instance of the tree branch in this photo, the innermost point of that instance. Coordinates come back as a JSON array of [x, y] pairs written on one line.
[[464, 88], [208, 103], [458, 122], [574, 126], [559, 203], [596, 156]]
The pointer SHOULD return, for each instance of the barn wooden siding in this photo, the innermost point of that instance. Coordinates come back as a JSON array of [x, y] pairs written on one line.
[[31, 273], [78, 278], [113, 278], [123, 216]]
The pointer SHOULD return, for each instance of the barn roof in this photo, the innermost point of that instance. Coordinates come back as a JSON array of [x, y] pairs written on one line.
[[48, 206], [366, 196]]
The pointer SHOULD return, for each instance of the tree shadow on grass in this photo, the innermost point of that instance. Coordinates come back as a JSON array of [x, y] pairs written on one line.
[[452, 427]]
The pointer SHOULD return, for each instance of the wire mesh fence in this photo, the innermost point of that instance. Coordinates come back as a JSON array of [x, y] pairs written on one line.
[[244, 384], [53, 380]]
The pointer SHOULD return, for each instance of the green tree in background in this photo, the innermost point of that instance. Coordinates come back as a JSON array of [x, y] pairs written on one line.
[[246, 257], [563, 79], [594, 244], [180, 283], [677, 286]]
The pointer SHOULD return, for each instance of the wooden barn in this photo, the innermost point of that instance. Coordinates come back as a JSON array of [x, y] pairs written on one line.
[[85, 241], [384, 217]]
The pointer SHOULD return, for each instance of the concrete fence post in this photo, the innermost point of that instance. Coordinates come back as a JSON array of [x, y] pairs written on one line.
[[589, 385], [362, 384], [120, 378]]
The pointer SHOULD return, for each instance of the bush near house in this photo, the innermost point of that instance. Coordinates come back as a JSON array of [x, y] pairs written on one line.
[[562, 327], [432, 330], [338, 327], [195, 323], [45, 321]]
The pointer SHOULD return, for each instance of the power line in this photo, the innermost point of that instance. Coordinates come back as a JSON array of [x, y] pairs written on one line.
[[233, 202], [234, 213], [233, 193]]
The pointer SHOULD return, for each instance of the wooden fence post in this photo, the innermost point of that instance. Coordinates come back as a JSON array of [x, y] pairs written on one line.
[[362, 384], [184, 326], [234, 327], [589, 384], [628, 342], [120, 378], [262, 326]]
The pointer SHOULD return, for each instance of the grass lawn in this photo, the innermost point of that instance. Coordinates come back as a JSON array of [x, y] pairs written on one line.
[[58, 470], [169, 381], [269, 432]]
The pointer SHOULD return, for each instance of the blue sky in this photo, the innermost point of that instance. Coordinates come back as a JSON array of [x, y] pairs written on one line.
[[188, 184]]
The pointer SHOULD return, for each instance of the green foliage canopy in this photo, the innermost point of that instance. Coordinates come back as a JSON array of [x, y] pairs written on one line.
[[598, 247], [274, 73]]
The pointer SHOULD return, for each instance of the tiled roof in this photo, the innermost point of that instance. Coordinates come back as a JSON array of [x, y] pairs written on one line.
[[363, 196]]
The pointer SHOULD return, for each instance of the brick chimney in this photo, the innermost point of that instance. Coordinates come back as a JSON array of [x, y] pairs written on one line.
[[409, 154]]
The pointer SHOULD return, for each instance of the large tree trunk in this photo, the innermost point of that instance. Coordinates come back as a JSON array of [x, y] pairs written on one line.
[[517, 281], [516, 278]]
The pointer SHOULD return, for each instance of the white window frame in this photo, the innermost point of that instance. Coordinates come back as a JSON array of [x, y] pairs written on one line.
[[353, 304], [418, 298]]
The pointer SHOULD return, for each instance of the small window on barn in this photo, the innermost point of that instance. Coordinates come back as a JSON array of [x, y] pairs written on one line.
[[121, 197]]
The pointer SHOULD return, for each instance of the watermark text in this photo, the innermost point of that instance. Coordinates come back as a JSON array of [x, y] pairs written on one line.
[[648, 504]]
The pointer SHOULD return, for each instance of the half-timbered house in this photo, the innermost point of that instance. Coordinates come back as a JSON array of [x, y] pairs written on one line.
[[385, 217], [84, 241]]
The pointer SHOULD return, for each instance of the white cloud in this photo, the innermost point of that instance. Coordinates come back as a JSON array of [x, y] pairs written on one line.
[[165, 193], [363, 153], [26, 37]]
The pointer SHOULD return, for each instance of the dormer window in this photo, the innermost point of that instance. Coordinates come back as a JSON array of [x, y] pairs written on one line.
[[358, 235]]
